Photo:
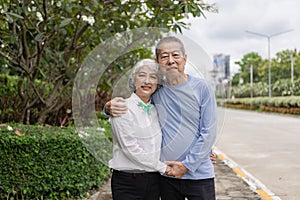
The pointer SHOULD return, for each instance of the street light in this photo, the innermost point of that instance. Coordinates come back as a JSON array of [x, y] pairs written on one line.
[[269, 58]]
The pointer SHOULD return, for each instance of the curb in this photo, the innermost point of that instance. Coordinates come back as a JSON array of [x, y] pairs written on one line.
[[253, 182]]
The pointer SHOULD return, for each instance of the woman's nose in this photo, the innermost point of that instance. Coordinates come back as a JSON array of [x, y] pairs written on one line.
[[147, 80]]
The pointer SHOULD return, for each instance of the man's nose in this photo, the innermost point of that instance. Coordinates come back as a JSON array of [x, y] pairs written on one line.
[[170, 59]]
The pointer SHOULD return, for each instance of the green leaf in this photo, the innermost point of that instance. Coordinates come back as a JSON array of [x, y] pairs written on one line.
[[15, 15], [42, 73], [88, 9], [133, 9], [95, 4], [65, 22], [10, 19], [39, 37]]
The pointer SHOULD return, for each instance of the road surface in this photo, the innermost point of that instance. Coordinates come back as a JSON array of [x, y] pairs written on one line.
[[266, 145]]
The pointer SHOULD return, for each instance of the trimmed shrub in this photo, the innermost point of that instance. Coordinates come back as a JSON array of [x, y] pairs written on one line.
[[46, 163], [287, 105]]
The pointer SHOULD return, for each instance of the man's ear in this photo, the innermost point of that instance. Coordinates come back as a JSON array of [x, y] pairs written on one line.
[[185, 58]]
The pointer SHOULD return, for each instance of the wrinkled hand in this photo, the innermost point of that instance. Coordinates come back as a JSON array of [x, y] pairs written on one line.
[[116, 107], [213, 158], [177, 169], [168, 170]]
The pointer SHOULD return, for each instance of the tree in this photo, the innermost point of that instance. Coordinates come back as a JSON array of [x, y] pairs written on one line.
[[281, 65], [44, 42], [280, 74], [257, 63]]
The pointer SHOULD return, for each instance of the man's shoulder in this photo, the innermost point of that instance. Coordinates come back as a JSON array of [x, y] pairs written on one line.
[[195, 78], [197, 81]]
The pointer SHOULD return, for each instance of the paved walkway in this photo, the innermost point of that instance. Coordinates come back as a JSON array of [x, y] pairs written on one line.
[[229, 186]]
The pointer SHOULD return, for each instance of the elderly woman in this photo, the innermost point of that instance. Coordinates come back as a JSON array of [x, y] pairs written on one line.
[[137, 139]]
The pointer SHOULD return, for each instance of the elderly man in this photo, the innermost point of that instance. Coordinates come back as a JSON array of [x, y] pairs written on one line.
[[187, 115]]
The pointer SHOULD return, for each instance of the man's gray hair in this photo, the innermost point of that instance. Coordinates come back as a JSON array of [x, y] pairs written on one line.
[[169, 39], [150, 63]]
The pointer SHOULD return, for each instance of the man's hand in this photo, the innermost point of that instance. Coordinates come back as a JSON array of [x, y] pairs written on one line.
[[116, 107], [178, 169], [213, 158], [168, 170]]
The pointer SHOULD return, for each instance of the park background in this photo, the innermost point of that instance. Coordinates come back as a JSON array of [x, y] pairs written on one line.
[[42, 46]]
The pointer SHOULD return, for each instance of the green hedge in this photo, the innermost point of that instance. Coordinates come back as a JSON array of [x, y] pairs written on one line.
[[288, 105], [287, 102], [46, 163]]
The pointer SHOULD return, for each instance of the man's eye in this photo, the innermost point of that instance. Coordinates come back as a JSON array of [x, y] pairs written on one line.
[[153, 77]]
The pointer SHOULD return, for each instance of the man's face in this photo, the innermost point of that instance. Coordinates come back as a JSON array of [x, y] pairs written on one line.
[[171, 59]]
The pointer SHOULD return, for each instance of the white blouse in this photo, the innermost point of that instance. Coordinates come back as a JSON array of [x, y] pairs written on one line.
[[136, 139]]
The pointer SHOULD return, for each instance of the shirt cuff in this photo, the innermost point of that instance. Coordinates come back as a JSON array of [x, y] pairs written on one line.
[[188, 166], [105, 112], [163, 170]]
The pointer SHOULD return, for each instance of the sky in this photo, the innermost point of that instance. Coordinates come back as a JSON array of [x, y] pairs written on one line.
[[225, 32]]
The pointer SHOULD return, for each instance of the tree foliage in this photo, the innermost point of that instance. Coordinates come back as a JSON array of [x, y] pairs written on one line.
[[282, 83], [280, 67], [48, 40], [257, 63]]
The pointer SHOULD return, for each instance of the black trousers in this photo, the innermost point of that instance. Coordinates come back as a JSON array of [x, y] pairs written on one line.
[[135, 186], [178, 189]]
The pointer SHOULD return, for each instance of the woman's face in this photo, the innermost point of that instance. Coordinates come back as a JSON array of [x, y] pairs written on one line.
[[146, 81]]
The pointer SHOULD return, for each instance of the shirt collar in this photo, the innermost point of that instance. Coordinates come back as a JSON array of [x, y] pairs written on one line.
[[137, 99]]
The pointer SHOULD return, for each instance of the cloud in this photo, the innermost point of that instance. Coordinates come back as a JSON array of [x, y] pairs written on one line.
[[225, 32]]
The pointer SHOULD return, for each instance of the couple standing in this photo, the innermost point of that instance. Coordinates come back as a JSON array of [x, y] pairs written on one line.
[[164, 150]]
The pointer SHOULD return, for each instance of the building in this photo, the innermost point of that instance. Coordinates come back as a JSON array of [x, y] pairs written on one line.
[[221, 74]]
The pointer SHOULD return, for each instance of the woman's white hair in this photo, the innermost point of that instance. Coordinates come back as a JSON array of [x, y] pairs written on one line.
[[150, 63]]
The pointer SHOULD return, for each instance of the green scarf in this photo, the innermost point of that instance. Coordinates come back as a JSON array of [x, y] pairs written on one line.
[[146, 108]]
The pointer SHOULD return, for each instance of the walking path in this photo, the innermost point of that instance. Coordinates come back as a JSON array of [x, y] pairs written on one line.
[[228, 186]]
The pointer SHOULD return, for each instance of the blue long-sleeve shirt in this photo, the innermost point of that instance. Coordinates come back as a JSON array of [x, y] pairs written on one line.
[[187, 116]]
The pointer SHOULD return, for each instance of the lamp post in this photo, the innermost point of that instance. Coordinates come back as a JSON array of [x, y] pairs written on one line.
[[269, 58], [292, 69], [251, 80]]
